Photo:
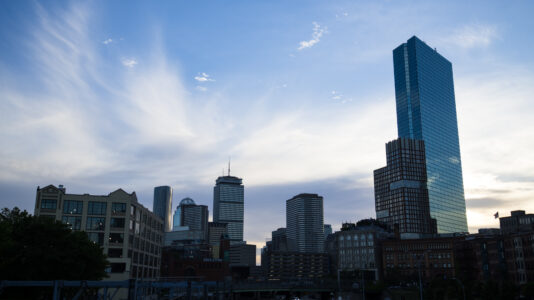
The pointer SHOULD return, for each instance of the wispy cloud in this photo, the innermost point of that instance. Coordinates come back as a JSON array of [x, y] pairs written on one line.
[[502, 146], [339, 97], [129, 62], [108, 41], [201, 88], [318, 32], [203, 77], [473, 35]]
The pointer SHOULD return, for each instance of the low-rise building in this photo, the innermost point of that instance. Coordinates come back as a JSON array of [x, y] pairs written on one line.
[[358, 247], [284, 265], [129, 234], [518, 221], [433, 257]]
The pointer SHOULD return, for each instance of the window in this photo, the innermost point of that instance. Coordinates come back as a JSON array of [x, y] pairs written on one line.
[[95, 223], [116, 238], [48, 217], [72, 207], [117, 223], [118, 208], [96, 208], [74, 223], [115, 252], [96, 237], [117, 267], [48, 203]]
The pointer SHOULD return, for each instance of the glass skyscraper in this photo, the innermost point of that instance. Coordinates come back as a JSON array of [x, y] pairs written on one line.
[[162, 205], [426, 110]]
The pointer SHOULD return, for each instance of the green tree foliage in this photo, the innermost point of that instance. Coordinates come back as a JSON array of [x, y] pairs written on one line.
[[36, 248]]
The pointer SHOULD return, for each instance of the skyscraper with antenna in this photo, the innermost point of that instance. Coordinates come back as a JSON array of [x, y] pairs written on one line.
[[228, 204]]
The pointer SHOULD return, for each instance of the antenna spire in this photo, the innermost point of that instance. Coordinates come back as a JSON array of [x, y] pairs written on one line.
[[229, 159]]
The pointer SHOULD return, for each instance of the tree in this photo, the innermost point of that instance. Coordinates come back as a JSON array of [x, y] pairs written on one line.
[[36, 248]]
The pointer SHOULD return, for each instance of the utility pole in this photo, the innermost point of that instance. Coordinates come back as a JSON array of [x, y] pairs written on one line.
[[363, 285]]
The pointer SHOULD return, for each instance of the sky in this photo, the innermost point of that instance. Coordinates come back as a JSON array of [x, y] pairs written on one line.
[[101, 95]]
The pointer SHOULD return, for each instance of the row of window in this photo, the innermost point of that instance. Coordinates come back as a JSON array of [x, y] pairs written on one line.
[[93, 223], [74, 207], [98, 238]]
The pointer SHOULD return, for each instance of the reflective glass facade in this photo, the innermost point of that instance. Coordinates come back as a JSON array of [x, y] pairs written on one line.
[[162, 205], [426, 110]]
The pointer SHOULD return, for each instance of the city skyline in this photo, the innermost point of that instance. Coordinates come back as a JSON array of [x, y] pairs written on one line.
[[302, 98]]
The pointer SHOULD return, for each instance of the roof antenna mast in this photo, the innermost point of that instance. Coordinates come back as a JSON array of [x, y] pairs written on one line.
[[229, 159]]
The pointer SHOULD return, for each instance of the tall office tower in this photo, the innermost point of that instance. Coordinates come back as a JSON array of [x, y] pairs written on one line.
[[426, 110], [191, 215], [228, 205], [162, 205], [401, 194], [304, 223]]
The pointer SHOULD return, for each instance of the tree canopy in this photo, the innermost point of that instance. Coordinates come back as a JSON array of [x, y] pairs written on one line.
[[36, 248]]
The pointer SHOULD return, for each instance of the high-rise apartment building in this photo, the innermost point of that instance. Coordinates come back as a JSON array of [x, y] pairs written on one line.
[[426, 110], [129, 234], [228, 205], [162, 205], [304, 223], [401, 194]]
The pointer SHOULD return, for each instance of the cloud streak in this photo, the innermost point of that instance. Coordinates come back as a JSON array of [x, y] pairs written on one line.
[[318, 32], [473, 35]]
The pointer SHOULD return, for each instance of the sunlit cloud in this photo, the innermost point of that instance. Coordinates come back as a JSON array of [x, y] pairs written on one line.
[[203, 77], [107, 41], [129, 62], [318, 32]]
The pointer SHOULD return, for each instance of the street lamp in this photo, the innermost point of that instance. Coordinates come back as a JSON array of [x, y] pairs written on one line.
[[419, 270], [461, 284]]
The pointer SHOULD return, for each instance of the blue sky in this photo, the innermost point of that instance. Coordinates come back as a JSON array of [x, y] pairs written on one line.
[[103, 95]]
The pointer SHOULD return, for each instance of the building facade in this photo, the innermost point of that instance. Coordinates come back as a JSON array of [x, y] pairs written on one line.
[[401, 194], [163, 205], [426, 110], [358, 248], [129, 234], [228, 205], [195, 217], [242, 255], [215, 232], [518, 221], [305, 223], [433, 257]]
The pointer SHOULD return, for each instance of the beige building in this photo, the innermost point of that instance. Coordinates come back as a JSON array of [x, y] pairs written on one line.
[[129, 234]]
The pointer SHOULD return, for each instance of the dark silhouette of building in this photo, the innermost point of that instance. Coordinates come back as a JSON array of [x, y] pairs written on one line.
[[518, 221]]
